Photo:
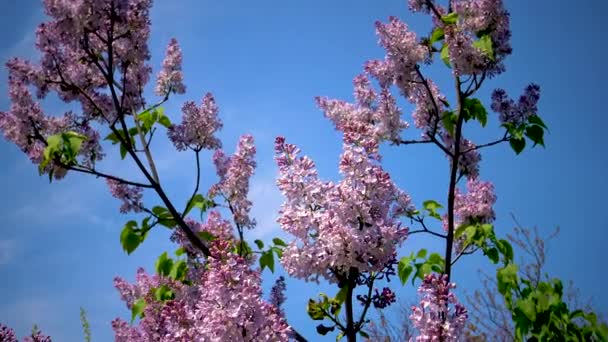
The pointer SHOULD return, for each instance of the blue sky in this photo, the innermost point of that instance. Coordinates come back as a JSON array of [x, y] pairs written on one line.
[[265, 61]]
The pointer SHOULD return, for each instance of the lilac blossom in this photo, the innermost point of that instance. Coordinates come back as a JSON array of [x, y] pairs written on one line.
[[342, 225], [170, 78], [7, 334], [235, 172], [224, 302], [131, 196], [516, 113], [198, 127], [439, 317], [277, 293]]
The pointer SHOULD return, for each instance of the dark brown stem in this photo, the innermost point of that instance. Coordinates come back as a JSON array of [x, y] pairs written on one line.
[[351, 332], [495, 142], [367, 304], [453, 180], [425, 229], [198, 181]]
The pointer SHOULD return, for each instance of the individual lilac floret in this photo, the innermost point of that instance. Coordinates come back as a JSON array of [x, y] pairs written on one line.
[[199, 124], [440, 317], [516, 113], [170, 79], [131, 196]]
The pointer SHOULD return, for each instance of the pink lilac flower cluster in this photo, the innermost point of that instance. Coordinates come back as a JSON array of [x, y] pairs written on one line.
[[235, 172], [72, 42], [476, 205], [379, 300], [440, 317], [476, 18], [8, 335], [131, 196], [37, 336], [78, 45], [171, 79], [27, 126], [350, 224], [419, 5], [224, 302], [400, 67], [372, 118], [277, 293], [516, 113], [468, 162], [198, 126]]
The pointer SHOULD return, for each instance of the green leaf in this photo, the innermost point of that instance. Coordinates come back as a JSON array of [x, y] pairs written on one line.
[[314, 310], [404, 269], [535, 133], [450, 18], [484, 44], [506, 249], [278, 251], [340, 336], [517, 144], [436, 35], [76, 143], [492, 253], [196, 200], [164, 293], [445, 55], [206, 236], [475, 110], [431, 205], [180, 251], [436, 259], [422, 269], [421, 253], [137, 309], [363, 334], [279, 242], [123, 151], [341, 295], [259, 243], [536, 120], [113, 138], [528, 308], [179, 270], [164, 264], [267, 260], [461, 230], [129, 239], [449, 121], [506, 278], [169, 223], [159, 211], [163, 119]]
